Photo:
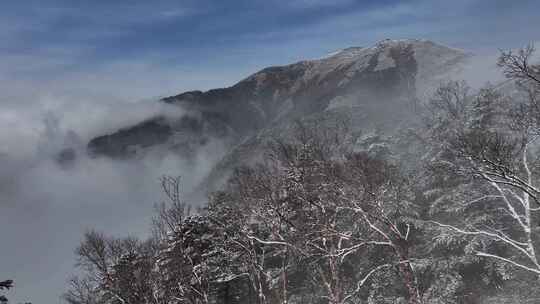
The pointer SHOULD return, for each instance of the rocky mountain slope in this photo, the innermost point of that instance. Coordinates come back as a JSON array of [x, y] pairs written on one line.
[[377, 87]]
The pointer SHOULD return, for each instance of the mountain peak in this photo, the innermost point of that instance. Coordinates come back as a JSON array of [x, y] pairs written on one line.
[[376, 78], [391, 42]]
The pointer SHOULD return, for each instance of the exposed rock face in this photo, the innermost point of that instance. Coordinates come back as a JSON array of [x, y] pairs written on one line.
[[377, 85]]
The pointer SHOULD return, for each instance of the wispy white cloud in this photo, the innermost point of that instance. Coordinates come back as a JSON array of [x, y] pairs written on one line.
[[121, 13], [461, 23], [176, 13]]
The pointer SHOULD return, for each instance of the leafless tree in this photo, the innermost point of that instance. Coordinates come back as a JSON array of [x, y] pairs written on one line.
[[502, 200], [169, 214], [248, 242], [118, 269], [318, 201], [81, 291], [190, 263], [128, 270], [382, 201], [518, 66]]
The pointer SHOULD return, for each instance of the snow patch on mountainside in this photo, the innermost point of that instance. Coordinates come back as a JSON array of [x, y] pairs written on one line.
[[331, 54], [384, 61], [340, 102], [322, 67]]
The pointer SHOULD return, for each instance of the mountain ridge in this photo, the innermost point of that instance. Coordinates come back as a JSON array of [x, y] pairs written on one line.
[[380, 83]]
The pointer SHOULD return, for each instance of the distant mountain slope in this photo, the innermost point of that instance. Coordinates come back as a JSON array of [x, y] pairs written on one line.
[[377, 85]]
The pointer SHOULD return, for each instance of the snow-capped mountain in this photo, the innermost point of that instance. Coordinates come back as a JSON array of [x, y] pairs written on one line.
[[377, 86]]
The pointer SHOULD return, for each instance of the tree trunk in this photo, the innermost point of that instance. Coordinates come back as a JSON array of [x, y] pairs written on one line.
[[226, 296], [408, 275]]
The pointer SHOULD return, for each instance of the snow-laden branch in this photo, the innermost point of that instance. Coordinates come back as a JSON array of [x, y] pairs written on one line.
[[360, 283], [519, 265], [515, 188], [521, 246]]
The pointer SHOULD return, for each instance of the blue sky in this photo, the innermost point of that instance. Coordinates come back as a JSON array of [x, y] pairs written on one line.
[[201, 44]]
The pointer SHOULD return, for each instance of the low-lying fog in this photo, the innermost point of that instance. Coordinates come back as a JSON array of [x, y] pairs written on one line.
[[45, 207]]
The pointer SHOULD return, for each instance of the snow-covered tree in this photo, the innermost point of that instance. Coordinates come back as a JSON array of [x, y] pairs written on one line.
[[247, 239], [486, 153], [115, 270], [327, 208], [7, 284]]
